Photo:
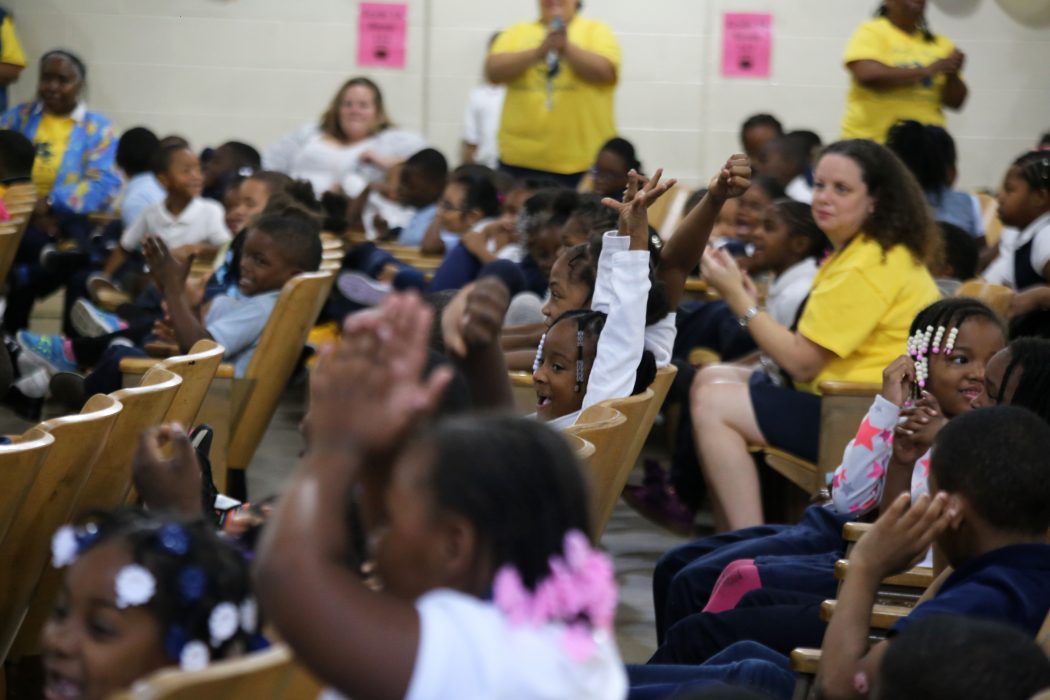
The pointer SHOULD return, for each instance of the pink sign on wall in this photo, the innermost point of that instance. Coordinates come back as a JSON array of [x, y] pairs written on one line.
[[381, 34], [747, 41]]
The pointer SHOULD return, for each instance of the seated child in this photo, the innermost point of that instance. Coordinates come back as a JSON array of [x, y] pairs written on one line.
[[278, 247], [989, 516], [609, 173], [143, 592], [800, 558], [421, 184], [787, 160], [474, 525], [470, 202], [959, 262], [187, 223], [952, 657], [136, 154], [225, 165], [1024, 205]]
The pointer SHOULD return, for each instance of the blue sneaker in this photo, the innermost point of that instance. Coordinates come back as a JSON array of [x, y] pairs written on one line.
[[92, 322], [46, 351]]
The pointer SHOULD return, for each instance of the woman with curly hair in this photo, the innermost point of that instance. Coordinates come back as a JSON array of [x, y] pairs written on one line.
[[853, 324]]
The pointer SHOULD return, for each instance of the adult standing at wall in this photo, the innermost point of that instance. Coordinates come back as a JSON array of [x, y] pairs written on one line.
[[561, 72], [900, 70]]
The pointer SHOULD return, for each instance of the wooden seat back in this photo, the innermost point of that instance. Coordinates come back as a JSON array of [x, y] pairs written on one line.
[[993, 227], [606, 429], [272, 673], [523, 389], [273, 362], [638, 411], [196, 368], [582, 449], [19, 200], [25, 551], [19, 462], [997, 296], [107, 485]]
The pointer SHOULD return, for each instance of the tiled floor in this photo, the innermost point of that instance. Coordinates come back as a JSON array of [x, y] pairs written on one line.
[[634, 543]]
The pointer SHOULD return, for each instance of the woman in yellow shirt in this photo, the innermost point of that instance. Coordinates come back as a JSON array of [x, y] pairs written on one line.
[[899, 70], [561, 73], [854, 323]]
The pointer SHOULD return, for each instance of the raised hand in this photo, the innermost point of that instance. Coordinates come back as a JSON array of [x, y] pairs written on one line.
[[368, 391], [898, 379], [733, 179], [474, 318], [902, 534], [163, 482], [720, 270], [167, 271], [917, 429], [641, 193]]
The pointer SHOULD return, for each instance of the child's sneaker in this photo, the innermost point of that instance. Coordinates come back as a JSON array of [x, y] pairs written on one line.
[[46, 351], [91, 322], [361, 288]]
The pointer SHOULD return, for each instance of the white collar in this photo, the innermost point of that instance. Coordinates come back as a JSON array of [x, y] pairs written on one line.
[[801, 271], [1033, 228], [78, 114]]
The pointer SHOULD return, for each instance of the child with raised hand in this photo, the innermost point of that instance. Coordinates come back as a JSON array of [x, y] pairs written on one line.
[[278, 247], [474, 527], [989, 512], [706, 585], [143, 592]]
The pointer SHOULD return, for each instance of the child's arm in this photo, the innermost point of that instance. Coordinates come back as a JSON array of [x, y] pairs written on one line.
[[857, 485], [366, 397], [471, 325], [898, 540], [912, 438], [170, 277], [116, 258], [622, 290], [681, 254], [432, 243]]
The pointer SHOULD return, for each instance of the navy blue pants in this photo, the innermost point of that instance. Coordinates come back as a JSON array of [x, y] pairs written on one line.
[[745, 665], [779, 620], [685, 576]]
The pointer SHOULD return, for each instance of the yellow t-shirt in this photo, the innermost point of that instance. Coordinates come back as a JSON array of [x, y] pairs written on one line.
[[10, 47], [565, 138], [870, 113], [52, 137], [860, 307]]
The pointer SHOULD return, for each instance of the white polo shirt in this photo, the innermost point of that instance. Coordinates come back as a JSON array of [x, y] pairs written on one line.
[[202, 221]]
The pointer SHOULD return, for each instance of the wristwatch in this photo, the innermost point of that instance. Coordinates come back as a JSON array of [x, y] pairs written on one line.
[[748, 315]]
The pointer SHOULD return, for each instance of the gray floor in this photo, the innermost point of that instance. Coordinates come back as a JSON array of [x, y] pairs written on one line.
[[633, 542]]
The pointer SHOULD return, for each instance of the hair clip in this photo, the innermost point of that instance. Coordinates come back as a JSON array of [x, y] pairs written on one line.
[[223, 623], [135, 586], [68, 542], [173, 539], [192, 583], [194, 656]]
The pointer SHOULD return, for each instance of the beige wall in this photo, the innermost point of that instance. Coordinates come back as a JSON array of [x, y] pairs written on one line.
[[217, 69]]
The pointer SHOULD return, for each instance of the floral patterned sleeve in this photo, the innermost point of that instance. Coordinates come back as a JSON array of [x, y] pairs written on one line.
[[94, 186]]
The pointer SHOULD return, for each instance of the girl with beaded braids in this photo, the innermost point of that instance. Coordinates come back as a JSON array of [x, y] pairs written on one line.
[[142, 592], [889, 454]]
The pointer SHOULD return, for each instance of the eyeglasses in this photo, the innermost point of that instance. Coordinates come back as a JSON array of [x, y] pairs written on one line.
[[449, 206]]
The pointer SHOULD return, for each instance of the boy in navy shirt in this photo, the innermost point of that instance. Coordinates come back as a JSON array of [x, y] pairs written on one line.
[[989, 516]]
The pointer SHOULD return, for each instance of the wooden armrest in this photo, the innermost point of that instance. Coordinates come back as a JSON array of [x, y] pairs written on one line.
[[695, 284], [141, 365], [161, 349], [852, 532], [830, 387], [883, 617], [523, 379], [916, 577], [703, 356], [805, 660]]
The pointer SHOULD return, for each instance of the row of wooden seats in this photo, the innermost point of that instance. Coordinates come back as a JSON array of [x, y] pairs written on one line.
[[19, 201]]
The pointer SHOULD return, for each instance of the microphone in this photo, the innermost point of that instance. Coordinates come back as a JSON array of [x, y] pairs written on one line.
[[553, 63]]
